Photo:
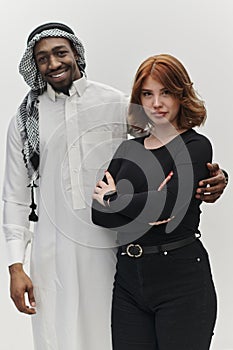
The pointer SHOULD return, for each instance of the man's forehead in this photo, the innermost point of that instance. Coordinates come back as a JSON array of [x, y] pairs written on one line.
[[51, 43]]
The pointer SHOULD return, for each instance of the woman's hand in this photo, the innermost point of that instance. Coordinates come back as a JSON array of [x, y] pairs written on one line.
[[162, 185], [102, 188], [156, 223]]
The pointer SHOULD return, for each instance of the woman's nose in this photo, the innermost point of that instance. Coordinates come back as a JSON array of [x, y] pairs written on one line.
[[156, 101]]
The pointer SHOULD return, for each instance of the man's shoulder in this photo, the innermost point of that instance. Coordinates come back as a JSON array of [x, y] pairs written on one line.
[[106, 89]]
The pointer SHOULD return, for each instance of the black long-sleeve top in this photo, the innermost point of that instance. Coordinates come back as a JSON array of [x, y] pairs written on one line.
[[138, 173]]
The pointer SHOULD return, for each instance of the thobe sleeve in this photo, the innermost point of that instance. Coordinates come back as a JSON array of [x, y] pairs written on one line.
[[16, 197]]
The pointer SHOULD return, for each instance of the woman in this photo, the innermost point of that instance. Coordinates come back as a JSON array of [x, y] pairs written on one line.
[[163, 297]]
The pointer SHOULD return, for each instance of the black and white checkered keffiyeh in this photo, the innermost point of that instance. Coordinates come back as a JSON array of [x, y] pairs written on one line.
[[27, 66], [27, 114]]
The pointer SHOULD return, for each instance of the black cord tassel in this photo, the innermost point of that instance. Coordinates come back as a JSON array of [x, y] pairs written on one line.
[[33, 216]]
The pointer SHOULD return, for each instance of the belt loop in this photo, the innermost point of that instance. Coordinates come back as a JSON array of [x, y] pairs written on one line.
[[161, 250]]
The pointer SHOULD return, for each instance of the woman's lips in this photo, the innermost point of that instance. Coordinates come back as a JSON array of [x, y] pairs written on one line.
[[158, 115]]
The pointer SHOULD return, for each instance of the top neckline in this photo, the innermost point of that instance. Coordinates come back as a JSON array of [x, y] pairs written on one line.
[[169, 142]]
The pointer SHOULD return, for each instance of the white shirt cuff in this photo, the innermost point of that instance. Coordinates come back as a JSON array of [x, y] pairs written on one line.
[[17, 240]]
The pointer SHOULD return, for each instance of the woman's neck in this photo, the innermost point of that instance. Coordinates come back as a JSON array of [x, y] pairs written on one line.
[[160, 136]]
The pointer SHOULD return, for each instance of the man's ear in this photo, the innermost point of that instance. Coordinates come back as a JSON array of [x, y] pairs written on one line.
[[75, 55], [74, 52]]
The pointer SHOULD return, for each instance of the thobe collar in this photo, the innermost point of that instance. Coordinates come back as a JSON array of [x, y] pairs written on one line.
[[78, 86]]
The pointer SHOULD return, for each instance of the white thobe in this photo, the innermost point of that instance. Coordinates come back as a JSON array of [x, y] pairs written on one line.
[[72, 260]]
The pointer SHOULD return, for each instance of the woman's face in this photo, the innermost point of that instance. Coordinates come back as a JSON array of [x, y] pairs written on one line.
[[159, 104]]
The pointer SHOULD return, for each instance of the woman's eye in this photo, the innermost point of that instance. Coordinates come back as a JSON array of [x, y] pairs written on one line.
[[146, 93], [166, 92]]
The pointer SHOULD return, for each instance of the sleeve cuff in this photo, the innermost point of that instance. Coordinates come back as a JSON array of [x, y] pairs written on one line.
[[15, 252], [17, 240]]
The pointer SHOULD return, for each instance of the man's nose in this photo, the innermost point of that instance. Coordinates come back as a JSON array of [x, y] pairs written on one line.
[[54, 63]]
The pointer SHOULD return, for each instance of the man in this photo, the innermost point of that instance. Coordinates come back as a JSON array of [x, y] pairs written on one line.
[[67, 127]]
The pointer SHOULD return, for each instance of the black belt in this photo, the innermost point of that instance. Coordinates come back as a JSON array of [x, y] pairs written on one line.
[[136, 250]]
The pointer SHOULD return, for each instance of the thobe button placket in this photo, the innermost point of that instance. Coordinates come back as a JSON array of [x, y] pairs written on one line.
[[74, 154]]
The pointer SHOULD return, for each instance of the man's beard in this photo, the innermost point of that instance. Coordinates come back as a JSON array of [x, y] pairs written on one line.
[[63, 89]]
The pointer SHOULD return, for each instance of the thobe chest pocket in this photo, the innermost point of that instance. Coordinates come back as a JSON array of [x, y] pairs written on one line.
[[97, 149]]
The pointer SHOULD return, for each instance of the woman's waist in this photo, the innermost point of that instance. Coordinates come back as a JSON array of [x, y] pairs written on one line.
[[153, 238]]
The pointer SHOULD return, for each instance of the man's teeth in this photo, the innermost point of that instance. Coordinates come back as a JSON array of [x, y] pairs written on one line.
[[58, 75]]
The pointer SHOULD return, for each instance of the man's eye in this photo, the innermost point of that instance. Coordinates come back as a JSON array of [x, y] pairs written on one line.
[[61, 53], [42, 59]]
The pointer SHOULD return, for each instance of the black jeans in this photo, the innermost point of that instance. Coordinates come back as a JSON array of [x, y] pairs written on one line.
[[164, 302]]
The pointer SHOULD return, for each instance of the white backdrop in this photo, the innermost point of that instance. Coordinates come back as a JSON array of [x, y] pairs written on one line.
[[118, 35]]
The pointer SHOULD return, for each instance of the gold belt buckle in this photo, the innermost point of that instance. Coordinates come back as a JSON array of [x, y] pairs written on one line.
[[137, 250]]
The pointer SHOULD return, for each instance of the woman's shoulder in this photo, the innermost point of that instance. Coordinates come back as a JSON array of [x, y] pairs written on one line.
[[193, 135], [198, 145]]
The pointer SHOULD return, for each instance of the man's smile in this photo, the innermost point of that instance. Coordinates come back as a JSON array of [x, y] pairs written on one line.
[[57, 75]]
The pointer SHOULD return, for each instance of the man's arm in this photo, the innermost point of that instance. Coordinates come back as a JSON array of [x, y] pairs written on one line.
[[16, 197], [212, 188]]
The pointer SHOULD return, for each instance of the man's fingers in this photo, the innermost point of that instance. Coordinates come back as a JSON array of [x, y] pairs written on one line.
[[28, 310], [210, 190], [31, 297], [218, 180], [213, 167], [19, 301], [22, 307], [216, 176], [210, 194], [208, 198], [212, 187]]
